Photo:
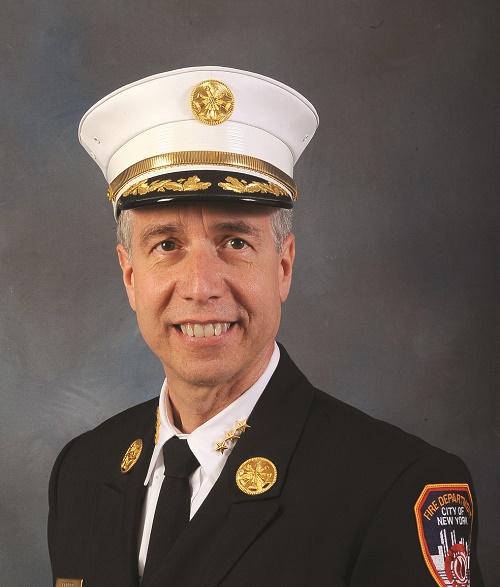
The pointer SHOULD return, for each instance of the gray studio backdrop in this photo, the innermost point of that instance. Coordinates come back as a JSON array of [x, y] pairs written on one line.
[[395, 300]]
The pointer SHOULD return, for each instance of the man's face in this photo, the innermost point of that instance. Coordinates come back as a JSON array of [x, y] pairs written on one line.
[[207, 285]]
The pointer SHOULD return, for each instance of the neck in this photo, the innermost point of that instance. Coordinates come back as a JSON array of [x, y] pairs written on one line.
[[192, 405], [189, 408]]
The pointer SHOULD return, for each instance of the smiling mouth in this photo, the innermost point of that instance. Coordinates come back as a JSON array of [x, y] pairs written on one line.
[[204, 330]]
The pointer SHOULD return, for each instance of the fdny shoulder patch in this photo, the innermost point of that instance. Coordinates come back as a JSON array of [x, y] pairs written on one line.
[[444, 521]]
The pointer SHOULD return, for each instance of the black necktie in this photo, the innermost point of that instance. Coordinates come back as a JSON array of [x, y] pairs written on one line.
[[174, 503]]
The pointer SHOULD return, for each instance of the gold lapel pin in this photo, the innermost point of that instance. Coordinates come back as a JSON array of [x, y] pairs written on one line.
[[131, 456], [256, 475]]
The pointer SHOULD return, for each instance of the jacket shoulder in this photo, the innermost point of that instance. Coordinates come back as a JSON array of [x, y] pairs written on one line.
[[121, 424], [371, 439]]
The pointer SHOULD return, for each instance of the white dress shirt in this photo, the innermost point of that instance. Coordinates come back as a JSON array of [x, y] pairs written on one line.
[[202, 443]]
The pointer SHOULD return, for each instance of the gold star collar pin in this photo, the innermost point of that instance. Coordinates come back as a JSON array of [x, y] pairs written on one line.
[[231, 436], [241, 426]]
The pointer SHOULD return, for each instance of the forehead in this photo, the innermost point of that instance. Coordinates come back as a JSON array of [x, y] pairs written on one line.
[[211, 216]]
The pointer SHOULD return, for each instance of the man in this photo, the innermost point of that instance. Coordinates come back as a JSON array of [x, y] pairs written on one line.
[[278, 483]]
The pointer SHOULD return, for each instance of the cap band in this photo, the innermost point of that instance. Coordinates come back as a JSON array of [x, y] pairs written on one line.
[[144, 168]]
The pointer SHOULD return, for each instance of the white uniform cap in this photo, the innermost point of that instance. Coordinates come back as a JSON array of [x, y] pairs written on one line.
[[199, 134]]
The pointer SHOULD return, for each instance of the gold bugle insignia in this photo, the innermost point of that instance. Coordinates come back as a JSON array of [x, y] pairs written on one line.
[[212, 102], [131, 456], [69, 583], [256, 475]]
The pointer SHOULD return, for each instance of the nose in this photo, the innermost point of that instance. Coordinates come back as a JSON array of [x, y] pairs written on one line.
[[202, 278]]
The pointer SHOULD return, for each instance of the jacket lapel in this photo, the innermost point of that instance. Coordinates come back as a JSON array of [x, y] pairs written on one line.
[[229, 520], [114, 540]]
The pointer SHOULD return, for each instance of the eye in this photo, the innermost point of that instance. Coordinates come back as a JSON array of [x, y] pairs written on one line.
[[236, 243], [166, 246]]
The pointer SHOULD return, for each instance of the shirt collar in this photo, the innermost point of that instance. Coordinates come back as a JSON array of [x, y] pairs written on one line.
[[203, 439]]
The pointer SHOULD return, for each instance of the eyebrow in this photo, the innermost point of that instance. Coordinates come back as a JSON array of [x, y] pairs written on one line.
[[237, 226], [158, 230], [226, 226]]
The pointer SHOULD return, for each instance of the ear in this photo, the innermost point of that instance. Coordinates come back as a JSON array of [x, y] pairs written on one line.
[[127, 273], [286, 263]]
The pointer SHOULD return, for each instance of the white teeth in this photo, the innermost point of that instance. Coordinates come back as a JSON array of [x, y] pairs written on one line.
[[205, 330], [199, 331]]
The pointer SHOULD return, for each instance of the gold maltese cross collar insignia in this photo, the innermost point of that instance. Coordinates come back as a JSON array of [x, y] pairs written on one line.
[[231, 436], [256, 475]]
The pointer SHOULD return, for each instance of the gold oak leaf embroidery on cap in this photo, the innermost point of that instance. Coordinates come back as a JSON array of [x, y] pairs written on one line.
[[243, 187], [191, 184]]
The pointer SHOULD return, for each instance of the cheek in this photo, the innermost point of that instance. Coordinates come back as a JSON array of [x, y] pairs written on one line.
[[264, 293], [152, 291]]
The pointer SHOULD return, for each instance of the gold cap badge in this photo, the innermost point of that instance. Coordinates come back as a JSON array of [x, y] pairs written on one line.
[[256, 475], [131, 456], [212, 102]]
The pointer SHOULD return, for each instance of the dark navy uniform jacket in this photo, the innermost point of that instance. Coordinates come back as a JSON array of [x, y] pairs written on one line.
[[341, 512]]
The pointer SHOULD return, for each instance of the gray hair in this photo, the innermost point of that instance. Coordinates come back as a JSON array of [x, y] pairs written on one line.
[[281, 225]]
